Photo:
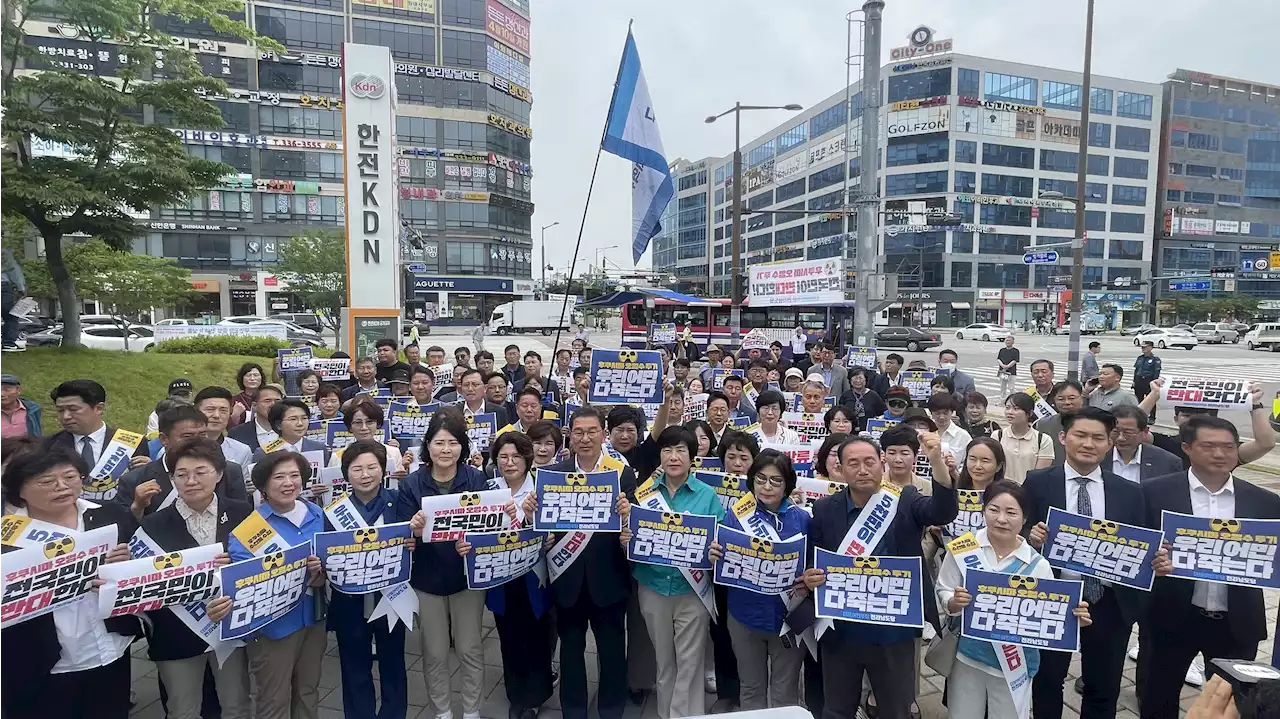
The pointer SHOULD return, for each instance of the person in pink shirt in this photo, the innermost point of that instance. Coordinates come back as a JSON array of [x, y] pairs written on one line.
[[21, 417]]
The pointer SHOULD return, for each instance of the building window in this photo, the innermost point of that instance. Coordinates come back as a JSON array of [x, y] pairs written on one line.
[[917, 183], [968, 82], [302, 208], [1007, 185], [918, 85], [966, 182], [1198, 198], [826, 228], [1229, 199], [784, 192], [1128, 222], [916, 149], [1099, 134], [302, 121], [1200, 171], [1101, 102], [499, 101], [1061, 95], [1128, 195], [1006, 215], [287, 164], [1095, 192], [1135, 105], [962, 274], [790, 213], [1126, 249], [1234, 145], [299, 78], [966, 151], [999, 244], [212, 205], [465, 13], [1094, 220], [1010, 87], [462, 135], [826, 178], [1060, 161], [992, 274], [1131, 167], [794, 137], [237, 157], [1202, 141], [407, 42], [759, 154], [416, 131], [466, 214], [421, 213], [466, 258], [1008, 155], [963, 209], [692, 180], [1134, 139], [505, 143], [827, 120], [1173, 195], [299, 30], [464, 49], [789, 236], [418, 90]]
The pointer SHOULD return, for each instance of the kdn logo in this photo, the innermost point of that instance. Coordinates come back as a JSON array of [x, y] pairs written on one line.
[[368, 86]]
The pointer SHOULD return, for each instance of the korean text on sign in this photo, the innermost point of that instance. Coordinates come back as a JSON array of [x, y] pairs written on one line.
[[860, 357], [576, 501], [451, 516], [294, 360], [970, 517], [1118, 553], [366, 559], [149, 583], [878, 426], [917, 380], [756, 564], [263, 589], [664, 333], [1224, 551], [625, 377], [41, 578], [1016, 609], [670, 538], [729, 487], [499, 557], [480, 430], [1217, 393], [814, 489], [872, 590]]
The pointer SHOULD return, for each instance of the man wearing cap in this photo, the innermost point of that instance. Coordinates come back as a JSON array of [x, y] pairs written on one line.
[[896, 403], [179, 389], [714, 354], [793, 380], [834, 376], [21, 417], [398, 382]]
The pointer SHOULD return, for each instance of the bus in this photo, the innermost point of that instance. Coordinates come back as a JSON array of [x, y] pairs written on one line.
[[710, 325]]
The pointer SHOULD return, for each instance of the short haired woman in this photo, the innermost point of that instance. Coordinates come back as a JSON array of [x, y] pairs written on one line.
[[364, 419], [249, 378], [547, 442], [771, 431]]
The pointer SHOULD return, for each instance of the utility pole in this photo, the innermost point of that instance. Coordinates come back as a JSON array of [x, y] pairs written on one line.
[[1077, 247], [736, 270], [544, 256], [868, 202]]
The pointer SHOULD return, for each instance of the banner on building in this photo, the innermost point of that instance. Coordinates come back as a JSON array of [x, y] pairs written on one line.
[[792, 284]]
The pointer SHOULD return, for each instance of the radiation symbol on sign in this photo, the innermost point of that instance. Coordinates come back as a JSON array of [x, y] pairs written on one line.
[[1224, 525], [59, 547], [761, 545], [468, 499], [273, 561], [168, 561], [1020, 582], [672, 518], [866, 562], [576, 478], [508, 537], [833, 487], [367, 534], [100, 484], [1104, 525], [628, 355]]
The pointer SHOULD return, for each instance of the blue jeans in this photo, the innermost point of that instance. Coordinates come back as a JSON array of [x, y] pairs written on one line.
[[8, 298], [356, 654]]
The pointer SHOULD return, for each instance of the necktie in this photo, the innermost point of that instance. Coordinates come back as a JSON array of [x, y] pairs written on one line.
[[86, 452], [1092, 586]]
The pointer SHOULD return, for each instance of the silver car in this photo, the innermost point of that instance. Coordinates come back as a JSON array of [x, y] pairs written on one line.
[[1215, 332]]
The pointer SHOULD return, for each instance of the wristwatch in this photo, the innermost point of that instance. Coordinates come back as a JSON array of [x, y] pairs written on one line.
[[1257, 406]]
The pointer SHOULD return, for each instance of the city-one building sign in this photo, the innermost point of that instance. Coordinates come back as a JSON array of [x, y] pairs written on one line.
[[510, 126], [1000, 105], [923, 64], [920, 42], [923, 102]]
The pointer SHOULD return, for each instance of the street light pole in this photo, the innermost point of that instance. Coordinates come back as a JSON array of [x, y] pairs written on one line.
[[544, 254], [1077, 253]]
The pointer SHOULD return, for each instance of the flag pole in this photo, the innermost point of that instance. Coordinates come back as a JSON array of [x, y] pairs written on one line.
[[582, 226]]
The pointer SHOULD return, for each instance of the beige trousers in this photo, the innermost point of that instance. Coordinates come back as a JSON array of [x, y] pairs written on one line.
[[286, 673], [458, 615], [184, 680], [679, 628]]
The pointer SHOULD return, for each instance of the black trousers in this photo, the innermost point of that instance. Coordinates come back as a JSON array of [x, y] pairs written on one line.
[[99, 693], [727, 683], [1165, 657], [609, 625], [1102, 651], [1142, 388], [526, 644], [814, 697], [890, 666]]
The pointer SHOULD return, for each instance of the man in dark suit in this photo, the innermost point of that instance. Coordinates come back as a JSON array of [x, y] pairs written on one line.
[[473, 401], [80, 404], [1187, 617], [146, 489], [594, 588], [1082, 486], [887, 654], [533, 368], [1132, 457], [890, 376], [256, 430]]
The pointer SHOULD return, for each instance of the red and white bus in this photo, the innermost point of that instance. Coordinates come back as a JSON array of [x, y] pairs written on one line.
[[710, 325]]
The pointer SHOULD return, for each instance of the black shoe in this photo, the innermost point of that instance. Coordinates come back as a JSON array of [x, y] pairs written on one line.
[[529, 714], [723, 706], [1079, 685], [637, 696], [514, 712]]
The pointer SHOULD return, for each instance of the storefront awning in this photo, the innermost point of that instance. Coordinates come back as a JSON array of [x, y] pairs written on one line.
[[960, 305], [617, 299]]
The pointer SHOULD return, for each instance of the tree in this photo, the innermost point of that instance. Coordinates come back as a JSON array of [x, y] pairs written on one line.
[[315, 267], [115, 164], [127, 284]]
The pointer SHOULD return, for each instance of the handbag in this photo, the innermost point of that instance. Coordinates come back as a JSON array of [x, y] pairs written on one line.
[[941, 654]]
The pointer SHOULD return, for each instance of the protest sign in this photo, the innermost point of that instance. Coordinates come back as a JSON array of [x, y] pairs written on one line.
[[1223, 551], [670, 539], [1018, 609], [1209, 393], [338, 435], [625, 377], [756, 339], [871, 590], [450, 516], [664, 333], [164, 333], [570, 501], [860, 357], [294, 359], [45, 576], [815, 489], [795, 284], [810, 427], [407, 423], [719, 373], [917, 380], [741, 422], [165, 580], [878, 426], [481, 429], [800, 454], [1118, 553], [104, 478], [796, 402], [329, 370], [263, 589], [711, 463], [756, 564], [729, 487], [498, 557], [695, 407], [443, 374], [970, 517], [366, 559]]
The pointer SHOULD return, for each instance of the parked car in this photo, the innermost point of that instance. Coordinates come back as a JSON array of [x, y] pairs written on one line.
[[33, 324], [1184, 327], [406, 325], [1135, 329], [1215, 332], [911, 339], [305, 320], [1166, 338], [983, 331], [1240, 327], [100, 337], [1263, 334]]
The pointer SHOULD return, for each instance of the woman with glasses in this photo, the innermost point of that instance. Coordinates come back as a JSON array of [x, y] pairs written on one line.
[[771, 431], [766, 667], [363, 418], [839, 420], [1025, 448], [290, 419], [446, 607], [308, 384], [706, 438], [737, 451]]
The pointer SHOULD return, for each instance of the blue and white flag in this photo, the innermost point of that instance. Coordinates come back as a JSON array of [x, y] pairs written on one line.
[[632, 133]]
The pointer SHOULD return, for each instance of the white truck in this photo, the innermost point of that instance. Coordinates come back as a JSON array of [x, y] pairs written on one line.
[[531, 316]]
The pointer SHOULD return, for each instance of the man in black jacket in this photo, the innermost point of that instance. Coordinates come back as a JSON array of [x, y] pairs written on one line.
[[1189, 617], [256, 430], [849, 649], [594, 588], [1082, 486]]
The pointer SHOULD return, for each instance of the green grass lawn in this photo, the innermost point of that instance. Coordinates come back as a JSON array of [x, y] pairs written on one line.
[[135, 382]]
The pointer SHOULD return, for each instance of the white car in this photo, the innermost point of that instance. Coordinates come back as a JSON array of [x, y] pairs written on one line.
[[984, 332], [110, 337], [255, 320], [1164, 338]]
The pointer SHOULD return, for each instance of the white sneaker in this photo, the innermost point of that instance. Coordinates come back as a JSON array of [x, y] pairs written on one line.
[[1195, 672], [446, 715], [710, 683], [929, 632], [1133, 652], [470, 715]]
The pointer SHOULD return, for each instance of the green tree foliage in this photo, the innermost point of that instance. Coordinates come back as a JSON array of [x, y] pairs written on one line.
[[116, 165], [315, 267]]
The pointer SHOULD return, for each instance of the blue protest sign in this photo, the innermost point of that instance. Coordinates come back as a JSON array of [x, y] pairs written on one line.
[[719, 373], [625, 377], [797, 402], [338, 435], [918, 380], [1118, 553], [262, 590], [481, 429], [740, 421], [860, 357], [871, 590], [878, 426], [756, 564], [729, 487], [359, 561], [295, 359], [710, 463], [1017, 609], [570, 501], [1223, 551], [670, 539], [498, 557], [408, 423]]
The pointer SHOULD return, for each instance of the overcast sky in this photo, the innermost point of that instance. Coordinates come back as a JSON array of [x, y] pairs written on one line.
[[700, 56]]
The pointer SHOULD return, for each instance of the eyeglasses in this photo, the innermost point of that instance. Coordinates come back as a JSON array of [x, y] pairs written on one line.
[[363, 423], [585, 433], [199, 475], [771, 480]]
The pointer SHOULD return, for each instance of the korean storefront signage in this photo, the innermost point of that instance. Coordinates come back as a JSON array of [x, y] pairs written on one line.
[[190, 227], [504, 85], [1058, 129], [833, 147], [323, 102], [510, 126], [923, 102], [510, 165], [444, 73], [423, 6], [306, 58], [1000, 105], [218, 137], [503, 61], [413, 192], [507, 26], [919, 43], [1015, 201], [923, 64], [1194, 226], [300, 143]]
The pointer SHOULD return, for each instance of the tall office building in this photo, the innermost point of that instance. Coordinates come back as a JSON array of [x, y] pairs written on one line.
[[1219, 198], [462, 132], [953, 126]]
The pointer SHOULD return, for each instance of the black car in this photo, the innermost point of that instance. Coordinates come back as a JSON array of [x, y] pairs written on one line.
[[911, 339], [305, 320]]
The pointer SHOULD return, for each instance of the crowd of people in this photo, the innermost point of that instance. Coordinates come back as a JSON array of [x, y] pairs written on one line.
[[226, 464]]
